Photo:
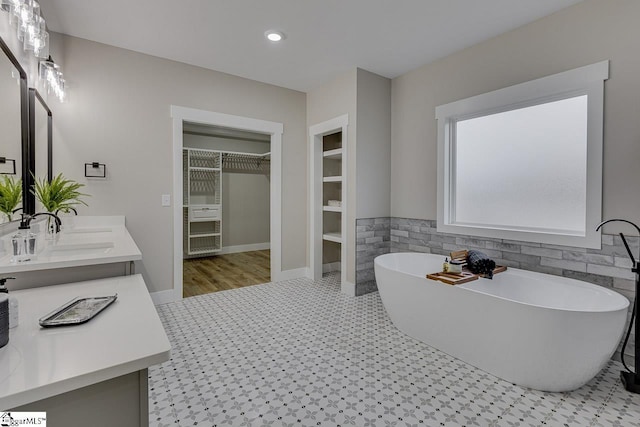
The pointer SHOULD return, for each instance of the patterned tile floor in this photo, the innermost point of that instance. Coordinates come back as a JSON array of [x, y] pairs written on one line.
[[300, 353]]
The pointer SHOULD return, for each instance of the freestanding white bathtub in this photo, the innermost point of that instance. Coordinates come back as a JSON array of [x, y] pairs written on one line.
[[536, 330]]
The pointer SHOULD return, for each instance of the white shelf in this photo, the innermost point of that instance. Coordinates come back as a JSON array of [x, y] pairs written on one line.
[[333, 237], [204, 251], [195, 168], [332, 179], [332, 209], [333, 154], [195, 235]]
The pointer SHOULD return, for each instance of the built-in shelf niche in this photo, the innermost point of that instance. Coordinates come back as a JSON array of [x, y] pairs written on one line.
[[332, 158], [328, 210]]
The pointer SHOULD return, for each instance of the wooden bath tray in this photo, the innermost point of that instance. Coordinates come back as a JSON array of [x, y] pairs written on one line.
[[464, 277], [453, 278], [460, 278]]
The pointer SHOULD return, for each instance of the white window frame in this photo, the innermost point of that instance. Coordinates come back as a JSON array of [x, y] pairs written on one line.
[[587, 80]]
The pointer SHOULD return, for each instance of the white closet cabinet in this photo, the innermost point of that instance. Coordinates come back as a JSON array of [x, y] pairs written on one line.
[[202, 205]]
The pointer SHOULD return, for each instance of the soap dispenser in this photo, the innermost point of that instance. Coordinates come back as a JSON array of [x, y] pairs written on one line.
[[12, 302], [4, 320], [23, 242]]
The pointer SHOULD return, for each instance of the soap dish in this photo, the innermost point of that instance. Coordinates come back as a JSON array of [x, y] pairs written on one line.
[[77, 311]]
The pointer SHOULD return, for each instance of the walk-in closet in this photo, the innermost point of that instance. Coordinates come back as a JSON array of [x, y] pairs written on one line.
[[226, 208]]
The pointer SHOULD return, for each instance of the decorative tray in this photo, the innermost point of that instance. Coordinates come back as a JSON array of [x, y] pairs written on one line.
[[453, 278], [460, 278], [464, 277], [77, 311]]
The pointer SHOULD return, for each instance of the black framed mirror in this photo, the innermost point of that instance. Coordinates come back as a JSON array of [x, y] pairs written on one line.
[[14, 116], [40, 140]]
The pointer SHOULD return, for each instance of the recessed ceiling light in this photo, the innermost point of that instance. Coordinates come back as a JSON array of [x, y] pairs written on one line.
[[274, 36]]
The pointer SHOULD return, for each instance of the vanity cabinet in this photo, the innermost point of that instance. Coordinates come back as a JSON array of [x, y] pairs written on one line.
[[93, 374], [88, 247]]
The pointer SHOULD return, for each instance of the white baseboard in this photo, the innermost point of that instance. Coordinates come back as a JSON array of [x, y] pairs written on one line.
[[348, 288], [331, 267], [296, 273], [244, 248], [163, 297]]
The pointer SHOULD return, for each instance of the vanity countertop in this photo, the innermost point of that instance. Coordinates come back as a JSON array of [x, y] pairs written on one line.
[[82, 241], [42, 362]]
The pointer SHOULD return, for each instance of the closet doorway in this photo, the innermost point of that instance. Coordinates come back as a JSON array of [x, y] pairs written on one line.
[[226, 202], [251, 150]]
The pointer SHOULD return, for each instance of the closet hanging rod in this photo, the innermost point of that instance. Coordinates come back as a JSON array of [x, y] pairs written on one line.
[[245, 161], [207, 150], [239, 153]]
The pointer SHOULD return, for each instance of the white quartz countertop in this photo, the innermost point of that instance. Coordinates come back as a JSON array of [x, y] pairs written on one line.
[[83, 241], [42, 362]]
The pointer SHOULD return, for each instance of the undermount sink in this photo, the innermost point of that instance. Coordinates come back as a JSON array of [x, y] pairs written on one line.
[[83, 230], [74, 249]]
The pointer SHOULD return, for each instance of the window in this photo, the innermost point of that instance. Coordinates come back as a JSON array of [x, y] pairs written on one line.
[[525, 162]]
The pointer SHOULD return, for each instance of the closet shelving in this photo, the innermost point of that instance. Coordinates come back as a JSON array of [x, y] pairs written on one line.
[[202, 204], [202, 194], [248, 162]]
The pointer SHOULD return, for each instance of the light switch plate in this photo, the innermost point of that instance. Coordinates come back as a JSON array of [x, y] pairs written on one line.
[[166, 200]]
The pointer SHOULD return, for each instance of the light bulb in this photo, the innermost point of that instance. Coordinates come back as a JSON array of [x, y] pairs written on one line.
[[274, 36]]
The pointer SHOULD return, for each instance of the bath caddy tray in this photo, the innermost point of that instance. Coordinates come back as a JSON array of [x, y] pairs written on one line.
[[453, 278], [460, 278], [464, 277], [77, 311]]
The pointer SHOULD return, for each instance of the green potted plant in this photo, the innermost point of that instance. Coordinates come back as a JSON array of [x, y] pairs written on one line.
[[10, 195], [59, 194]]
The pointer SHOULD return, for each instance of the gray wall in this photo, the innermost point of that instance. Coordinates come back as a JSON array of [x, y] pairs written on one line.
[[245, 209], [586, 33], [373, 146], [326, 102], [118, 113], [366, 98]]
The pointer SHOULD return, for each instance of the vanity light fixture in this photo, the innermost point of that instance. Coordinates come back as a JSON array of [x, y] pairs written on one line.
[[31, 27], [52, 78], [274, 36]]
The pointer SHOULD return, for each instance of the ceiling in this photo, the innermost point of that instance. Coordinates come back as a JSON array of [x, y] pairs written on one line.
[[324, 38]]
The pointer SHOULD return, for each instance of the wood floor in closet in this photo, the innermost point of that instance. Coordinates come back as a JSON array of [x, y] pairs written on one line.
[[223, 272]]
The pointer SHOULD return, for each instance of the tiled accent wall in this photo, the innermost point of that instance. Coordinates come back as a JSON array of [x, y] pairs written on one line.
[[609, 267], [373, 238]]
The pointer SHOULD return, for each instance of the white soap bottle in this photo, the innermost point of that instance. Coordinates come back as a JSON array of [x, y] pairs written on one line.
[[13, 303]]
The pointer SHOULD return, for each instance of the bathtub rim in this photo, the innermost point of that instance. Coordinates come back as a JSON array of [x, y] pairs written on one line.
[[624, 303]]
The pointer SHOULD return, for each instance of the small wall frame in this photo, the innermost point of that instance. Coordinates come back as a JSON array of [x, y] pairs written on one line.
[[95, 170], [7, 166]]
